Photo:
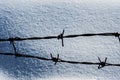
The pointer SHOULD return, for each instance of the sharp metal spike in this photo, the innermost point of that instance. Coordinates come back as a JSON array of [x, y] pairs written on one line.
[[12, 42], [117, 35], [57, 56], [55, 59], [102, 64], [51, 55], [99, 59], [63, 31], [99, 66], [61, 37], [105, 59]]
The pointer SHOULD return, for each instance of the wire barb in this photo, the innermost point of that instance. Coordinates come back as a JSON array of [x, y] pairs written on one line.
[[55, 59], [13, 44], [61, 37], [117, 35], [102, 63]]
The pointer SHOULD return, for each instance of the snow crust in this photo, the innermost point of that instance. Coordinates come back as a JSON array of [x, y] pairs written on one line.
[[33, 18]]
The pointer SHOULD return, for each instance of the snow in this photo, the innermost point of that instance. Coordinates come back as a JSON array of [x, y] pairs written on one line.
[[30, 18]]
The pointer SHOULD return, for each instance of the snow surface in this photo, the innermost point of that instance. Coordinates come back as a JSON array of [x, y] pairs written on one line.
[[30, 18]]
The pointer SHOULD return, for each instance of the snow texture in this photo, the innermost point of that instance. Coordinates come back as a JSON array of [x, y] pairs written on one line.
[[33, 18]]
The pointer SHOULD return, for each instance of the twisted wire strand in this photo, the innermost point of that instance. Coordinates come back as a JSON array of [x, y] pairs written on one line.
[[57, 59], [61, 36]]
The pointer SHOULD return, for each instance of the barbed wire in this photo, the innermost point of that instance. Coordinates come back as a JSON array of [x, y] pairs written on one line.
[[61, 36], [100, 63]]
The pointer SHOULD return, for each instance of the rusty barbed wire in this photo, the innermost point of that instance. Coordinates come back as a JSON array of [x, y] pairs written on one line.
[[61, 36]]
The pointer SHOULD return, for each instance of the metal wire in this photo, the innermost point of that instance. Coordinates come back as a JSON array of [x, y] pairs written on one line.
[[61, 36], [100, 63]]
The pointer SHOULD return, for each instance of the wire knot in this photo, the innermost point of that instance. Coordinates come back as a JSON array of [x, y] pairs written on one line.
[[11, 40], [55, 59], [102, 63], [61, 37], [18, 55], [14, 47], [117, 35]]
